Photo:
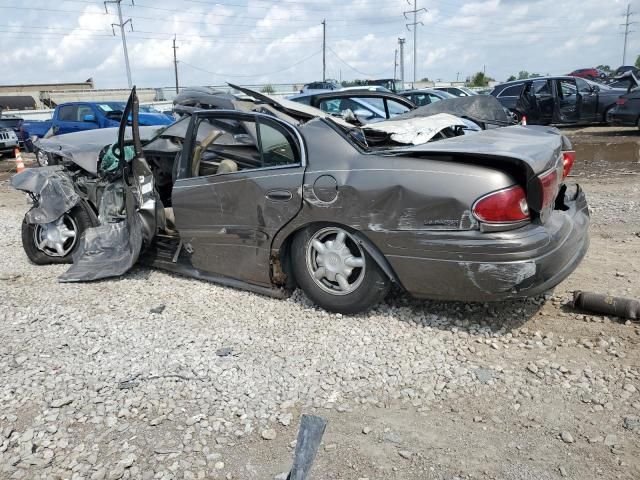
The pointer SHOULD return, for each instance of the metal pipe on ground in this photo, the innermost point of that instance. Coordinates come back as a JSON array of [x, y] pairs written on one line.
[[309, 438], [607, 305]]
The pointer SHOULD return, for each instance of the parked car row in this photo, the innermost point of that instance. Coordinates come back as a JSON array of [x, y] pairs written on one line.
[[558, 100]]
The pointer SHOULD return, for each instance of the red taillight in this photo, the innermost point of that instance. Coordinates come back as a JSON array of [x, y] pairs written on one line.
[[621, 101], [568, 159], [503, 206], [549, 183]]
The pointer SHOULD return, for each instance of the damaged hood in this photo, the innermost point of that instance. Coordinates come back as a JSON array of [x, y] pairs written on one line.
[[416, 131], [479, 108], [83, 148]]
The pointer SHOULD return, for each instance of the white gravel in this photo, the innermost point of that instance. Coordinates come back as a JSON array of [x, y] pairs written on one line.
[[96, 386]]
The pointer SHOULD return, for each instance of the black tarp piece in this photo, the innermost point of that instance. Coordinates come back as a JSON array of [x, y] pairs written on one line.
[[479, 108], [54, 190]]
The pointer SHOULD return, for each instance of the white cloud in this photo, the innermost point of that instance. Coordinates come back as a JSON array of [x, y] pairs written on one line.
[[259, 41]]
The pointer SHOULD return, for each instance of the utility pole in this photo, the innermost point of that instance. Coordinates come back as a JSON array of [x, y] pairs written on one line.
[[124, 40], [324, 50], [457, 76], [175, 61], [626, 32], [401, 43], [414, 24], [395, 63]]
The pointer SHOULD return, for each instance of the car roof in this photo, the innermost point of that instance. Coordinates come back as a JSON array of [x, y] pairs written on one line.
[[422, 90], [352, 93], [550, 77]]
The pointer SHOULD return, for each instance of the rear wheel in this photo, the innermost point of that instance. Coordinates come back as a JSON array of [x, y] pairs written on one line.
[[515, 116], [56, 241], [335, 271]]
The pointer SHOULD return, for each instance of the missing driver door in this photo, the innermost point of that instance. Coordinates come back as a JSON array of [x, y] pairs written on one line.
[[566, 101]]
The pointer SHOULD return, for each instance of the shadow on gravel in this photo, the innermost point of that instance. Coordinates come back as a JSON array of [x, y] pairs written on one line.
[[497, 316], [502, 316]]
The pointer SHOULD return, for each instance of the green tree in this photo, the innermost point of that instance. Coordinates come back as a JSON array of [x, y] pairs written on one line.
[[523, 75], [638, 61], [479, 79], [268, 88], [511, 78]]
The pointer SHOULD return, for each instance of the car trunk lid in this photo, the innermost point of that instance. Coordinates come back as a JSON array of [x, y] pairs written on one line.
[[533, 155]]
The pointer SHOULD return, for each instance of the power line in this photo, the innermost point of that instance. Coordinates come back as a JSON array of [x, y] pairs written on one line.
[[122, 24], [253, 75], [352, 67], [414, 24]]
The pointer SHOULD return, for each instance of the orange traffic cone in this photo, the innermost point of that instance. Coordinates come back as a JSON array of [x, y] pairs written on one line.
[[18, 160]]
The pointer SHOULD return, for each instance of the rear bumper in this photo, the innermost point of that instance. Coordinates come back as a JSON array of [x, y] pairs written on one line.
[[622, 119], [475, 266]]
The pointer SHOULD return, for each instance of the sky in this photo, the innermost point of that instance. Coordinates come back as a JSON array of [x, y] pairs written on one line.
[[260, 41]]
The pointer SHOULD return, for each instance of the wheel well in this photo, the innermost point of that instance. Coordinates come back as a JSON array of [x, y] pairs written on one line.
[[283, 255], [606, 110]]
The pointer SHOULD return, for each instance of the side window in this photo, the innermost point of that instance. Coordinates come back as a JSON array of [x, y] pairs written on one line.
[[420, 99], [337, 106], [68, 113], [583, 87], [332, 106], [512, 91], [304, 100], [541, 87], [83, 110], [276, 145], [433, 98], [396, 108], [227, 145], [567, 88], [374, 104]]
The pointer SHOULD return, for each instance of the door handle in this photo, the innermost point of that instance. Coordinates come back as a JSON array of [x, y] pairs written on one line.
[[279, 195]]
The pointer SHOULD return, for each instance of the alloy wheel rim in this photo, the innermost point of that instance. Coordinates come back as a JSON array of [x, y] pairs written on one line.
[[43, 159], [335, 261], [57, 238]]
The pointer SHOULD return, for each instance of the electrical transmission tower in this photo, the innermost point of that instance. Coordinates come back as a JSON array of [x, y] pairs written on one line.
[[626, 25], [414, 24], [122, 34]]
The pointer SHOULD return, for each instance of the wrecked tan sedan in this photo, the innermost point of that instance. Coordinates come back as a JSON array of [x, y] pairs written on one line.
[[274, 195]]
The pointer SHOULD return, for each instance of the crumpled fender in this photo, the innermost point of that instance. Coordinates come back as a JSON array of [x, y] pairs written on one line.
[[54, 189]]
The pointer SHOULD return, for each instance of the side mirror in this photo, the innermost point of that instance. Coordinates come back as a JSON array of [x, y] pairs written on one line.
[[89, 118], [595, 88]]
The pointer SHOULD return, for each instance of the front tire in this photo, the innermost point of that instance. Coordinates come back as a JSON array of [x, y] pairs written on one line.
[[45, 159], [335, 271], [56, 242]]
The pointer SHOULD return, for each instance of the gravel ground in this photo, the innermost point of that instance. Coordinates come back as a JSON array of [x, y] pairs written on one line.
[[155, 375]]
